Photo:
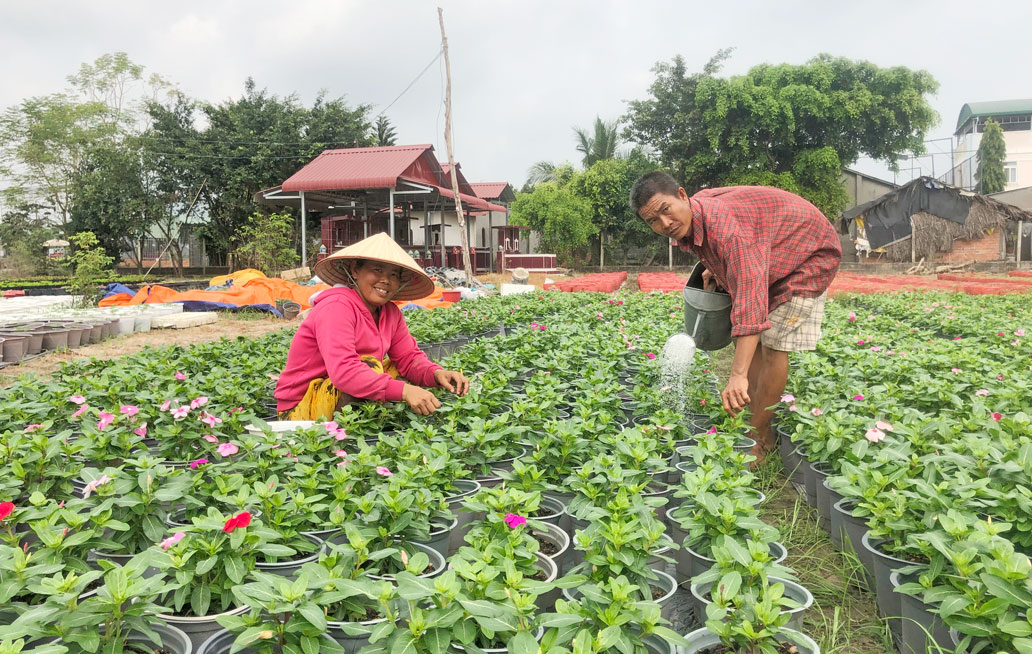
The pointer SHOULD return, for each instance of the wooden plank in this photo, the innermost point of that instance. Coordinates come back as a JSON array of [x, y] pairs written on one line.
[[184, 320]]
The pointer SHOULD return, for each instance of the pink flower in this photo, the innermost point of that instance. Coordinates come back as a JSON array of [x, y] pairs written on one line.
[[861, 342], [227, 449], [852, 316], [884, 426], [172, 540], [165, 405], [875, 348], [105, 420], [343, 454], [232, 411], [858, 397], [712, 430], [181, 412], [610, 301], [129, 410], [955, 371], [383, 472], [92, 486], [956, 338], [513, 520], [33, 427], [997, 417], [210, 438], [198, 402], [1019, 332], [83, 409], [815, 411], [78, 399], [999, 334], [875, 435], [209, 419], [341, 464], [180, 376], [792, 407], [650, 355], [788, 397], [330, 426], [141, 431], [198, 462], [1000, 377], [981, 392], [598, 316]]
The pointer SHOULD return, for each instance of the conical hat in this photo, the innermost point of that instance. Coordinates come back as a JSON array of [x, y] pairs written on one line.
[[378, 247]]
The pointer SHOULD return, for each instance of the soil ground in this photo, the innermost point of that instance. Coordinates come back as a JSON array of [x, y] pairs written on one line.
[[536, 279], [229, 326]]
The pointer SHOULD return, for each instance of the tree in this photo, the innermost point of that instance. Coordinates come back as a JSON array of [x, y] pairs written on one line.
[[383, 132], [90, 265], [992, 151], [267, 244], [22, 233], [791, 125], [561, 217], [599, 144]]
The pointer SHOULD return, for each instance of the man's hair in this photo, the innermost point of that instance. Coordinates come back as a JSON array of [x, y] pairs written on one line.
[[649, 185]]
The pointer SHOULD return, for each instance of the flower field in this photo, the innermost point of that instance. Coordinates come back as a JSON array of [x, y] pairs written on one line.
[[563, 505]]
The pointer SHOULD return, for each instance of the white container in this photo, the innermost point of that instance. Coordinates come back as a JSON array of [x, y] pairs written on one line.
[[141, 323], [126, 325]]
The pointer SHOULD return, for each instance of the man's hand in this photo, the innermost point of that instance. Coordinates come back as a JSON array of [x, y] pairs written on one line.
[[452, 380], [736, 396], [709, 282], [420, 400]]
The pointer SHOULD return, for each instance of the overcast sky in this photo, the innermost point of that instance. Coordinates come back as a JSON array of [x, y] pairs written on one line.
[[524, 72]]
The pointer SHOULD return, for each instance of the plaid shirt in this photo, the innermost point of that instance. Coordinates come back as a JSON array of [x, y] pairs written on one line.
[[763, 245]]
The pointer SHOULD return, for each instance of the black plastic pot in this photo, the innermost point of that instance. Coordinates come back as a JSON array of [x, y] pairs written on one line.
[[793, 591], [853, 530], [921, 628], [703, 639], [819, 471], [888, 600]]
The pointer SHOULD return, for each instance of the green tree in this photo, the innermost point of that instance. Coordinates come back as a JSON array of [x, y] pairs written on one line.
[[383, 132], [89, 265], [266, 243], [561, 217], [598, 144], [789, 125], [24, 229], [992, 151]]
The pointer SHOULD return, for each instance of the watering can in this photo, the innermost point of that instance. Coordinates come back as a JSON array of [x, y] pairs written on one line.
[[707, 314]]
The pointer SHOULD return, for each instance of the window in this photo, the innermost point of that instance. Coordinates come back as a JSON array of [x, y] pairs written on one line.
[[483, 237], [1010, 171]]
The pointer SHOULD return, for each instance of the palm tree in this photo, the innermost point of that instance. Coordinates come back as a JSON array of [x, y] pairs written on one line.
[[599, 145], [383, 132], [542, 171]]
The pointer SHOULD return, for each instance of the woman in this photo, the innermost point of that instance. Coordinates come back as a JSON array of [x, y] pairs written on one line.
[[354, 344]]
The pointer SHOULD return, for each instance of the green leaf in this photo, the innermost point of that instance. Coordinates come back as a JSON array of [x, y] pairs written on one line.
[[523, 643], [437, 640], [1018, 597], [380, 631], [314, 615], [403, 643]]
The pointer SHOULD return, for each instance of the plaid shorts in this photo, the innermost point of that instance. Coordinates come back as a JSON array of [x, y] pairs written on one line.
[[796, 324]]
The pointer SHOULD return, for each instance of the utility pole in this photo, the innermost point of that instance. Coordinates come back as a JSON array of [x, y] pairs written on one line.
[[451, 153]]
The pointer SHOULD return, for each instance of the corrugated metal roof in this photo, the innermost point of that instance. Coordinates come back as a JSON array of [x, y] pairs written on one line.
[[354, 168], [469, 201], [488, 190], [994, 108]]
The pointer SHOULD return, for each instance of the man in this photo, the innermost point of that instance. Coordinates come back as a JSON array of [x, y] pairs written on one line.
[[775, 253]]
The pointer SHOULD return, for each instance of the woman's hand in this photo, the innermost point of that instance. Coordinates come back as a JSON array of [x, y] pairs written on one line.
[[452, 380], [420, 400]]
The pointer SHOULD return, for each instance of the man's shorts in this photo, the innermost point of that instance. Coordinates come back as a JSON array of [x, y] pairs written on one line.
[[796, 324]]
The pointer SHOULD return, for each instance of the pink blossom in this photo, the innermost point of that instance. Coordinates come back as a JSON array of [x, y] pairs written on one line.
[[852, 316], [92, 486], [78, 399], [1000, 377], [858, 397], [997, 417], [712, 430], [198, 462], [227, 449], [105, 420], [875, 348], [81, 410], [198, 402], [384, 472], [172, 540], [650, 355], [1019, 332], [210, 438], [330, 426], [875, 435], [999, 334], [232, 411], [610, 301], [341, 464], [792, 407], [982, 392], [180, 376], [817, 412], [884, 426], [955, 371], [209, 419], [956, 338], [141, 431], [513, 520], [619, 303], [341, 453], [598, 316], [33, 427], [165, 405], [788, 397], [129, 410], [181, 412], [861, 342]]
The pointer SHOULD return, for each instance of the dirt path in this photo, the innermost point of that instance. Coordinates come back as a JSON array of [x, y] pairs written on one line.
[[44, 366]]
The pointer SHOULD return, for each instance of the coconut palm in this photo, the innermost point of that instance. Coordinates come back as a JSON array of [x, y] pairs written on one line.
[[599, 144]]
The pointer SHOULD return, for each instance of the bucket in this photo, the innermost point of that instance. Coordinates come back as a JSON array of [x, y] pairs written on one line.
[[451, 296], [707, 314], [290, 310]]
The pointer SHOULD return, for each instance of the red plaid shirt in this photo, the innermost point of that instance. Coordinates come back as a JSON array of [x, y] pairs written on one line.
[[763, 245]]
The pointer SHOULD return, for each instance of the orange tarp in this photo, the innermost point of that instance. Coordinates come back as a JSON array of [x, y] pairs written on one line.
[[255, 291], [432, 301]]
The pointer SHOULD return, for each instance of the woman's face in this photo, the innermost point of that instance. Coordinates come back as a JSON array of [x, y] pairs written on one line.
[[378, 282]]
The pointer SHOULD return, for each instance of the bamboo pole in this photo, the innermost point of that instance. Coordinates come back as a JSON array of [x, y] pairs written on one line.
[[451, 154]]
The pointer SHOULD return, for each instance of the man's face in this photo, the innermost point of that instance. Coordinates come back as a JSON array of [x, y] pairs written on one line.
[[669, 215]]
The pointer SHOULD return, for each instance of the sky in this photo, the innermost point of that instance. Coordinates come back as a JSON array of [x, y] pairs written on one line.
[[525, 73]]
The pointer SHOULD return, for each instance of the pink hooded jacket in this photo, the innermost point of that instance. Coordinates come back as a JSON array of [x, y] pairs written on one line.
[[338, 331]]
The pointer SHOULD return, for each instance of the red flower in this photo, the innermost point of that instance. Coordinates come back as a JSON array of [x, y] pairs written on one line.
[[6, 508], [240, 520], [996, 416]]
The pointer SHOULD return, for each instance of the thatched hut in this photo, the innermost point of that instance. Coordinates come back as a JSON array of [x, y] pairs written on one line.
[[928, 220]]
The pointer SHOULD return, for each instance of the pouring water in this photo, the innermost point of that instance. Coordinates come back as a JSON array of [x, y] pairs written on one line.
[[676, 362]]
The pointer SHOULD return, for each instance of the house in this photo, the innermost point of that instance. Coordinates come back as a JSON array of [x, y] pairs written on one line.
[[863, 188], [1015, 117], [928, 220], [403, 191]]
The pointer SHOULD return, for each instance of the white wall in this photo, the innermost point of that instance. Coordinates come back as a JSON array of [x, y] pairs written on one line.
[[1019, 152]]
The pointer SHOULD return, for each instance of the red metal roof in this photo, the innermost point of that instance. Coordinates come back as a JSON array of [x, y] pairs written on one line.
[[468, 201], [355, 168], [488, 190]]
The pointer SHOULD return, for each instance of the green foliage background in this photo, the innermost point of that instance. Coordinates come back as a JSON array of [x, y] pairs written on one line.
[[992, 150]]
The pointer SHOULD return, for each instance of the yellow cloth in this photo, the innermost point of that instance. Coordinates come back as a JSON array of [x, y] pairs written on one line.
[[239, 277], [322, 399]]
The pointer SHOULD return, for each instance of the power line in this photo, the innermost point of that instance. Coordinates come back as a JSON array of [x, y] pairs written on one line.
[[405, 90]]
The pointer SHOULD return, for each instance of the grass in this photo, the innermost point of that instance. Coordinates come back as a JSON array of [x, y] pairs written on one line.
[[245, 315], [844, 618]]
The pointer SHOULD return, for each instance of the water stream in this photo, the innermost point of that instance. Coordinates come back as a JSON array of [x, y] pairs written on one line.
[[676, 361]]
